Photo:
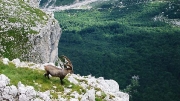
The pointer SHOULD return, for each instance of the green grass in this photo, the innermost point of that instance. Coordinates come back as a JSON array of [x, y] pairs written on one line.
[[29, 77], [35, 78], [100, 98], [14, 44]]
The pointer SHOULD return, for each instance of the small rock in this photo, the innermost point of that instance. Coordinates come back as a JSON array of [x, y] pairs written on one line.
[[4, 80], [5, 61], [16, 62], [23, 97], [89, 95], [13, 90], [72, 80], [98, 93]]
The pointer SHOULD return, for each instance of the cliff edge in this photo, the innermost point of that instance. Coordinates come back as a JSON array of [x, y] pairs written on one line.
[[39, 88], [28, 33]]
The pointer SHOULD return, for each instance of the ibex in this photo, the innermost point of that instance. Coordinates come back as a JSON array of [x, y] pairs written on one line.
[[58, 72]]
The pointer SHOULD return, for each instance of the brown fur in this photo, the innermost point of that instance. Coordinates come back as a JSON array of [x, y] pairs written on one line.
[[57, 72]]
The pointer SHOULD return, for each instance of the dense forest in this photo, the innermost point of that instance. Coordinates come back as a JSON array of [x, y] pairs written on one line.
[[122, 42]]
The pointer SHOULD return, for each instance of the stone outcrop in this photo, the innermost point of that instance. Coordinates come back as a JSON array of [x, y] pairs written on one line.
[[91, 88], [27, 93], [27, 32], [45, 44], [98, 87], [21, 93]]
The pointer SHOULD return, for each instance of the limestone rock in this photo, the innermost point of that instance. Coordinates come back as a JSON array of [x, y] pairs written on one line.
[[45, 44], [109, 85], [89, 95], [5, 61], [72, 80], [4, 80], [36, 33], [45, 95], [107, 88]]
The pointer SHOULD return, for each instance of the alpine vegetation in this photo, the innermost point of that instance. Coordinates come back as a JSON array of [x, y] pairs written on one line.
[[36, 88]]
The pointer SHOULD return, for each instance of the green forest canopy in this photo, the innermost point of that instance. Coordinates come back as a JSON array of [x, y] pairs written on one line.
[[118, 43]]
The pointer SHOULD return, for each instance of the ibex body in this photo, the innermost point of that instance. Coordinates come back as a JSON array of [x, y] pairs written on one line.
[[58, 72]]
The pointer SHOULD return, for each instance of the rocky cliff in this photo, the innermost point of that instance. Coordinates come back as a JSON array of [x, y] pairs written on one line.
[[28, 33], [45, 44], [89, 87]]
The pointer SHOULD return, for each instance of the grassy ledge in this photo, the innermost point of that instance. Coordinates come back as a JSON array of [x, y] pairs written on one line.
[[35, 78]]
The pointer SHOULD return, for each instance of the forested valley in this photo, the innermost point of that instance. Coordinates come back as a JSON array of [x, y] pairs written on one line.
[[137, 44]]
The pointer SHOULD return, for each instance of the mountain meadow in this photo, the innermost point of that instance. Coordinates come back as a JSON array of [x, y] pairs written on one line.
[[123, 40]]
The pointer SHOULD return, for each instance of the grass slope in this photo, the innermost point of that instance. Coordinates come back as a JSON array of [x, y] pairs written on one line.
[[35, 78]]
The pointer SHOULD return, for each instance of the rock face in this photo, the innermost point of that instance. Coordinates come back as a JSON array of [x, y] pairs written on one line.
[[93, 91], [20, 93], [109, 89], [45, 44], [27, 32]]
